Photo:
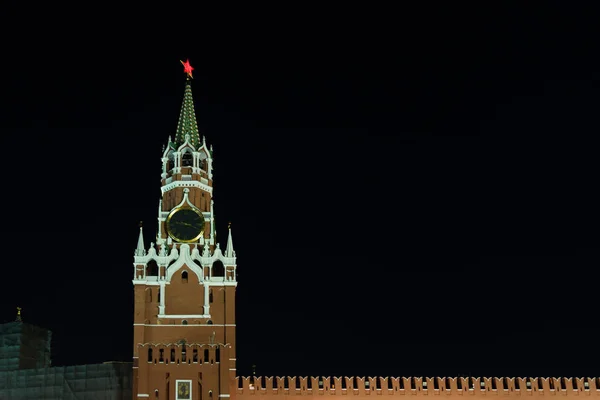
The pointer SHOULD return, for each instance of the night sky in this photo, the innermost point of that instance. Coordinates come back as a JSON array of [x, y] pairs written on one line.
[[411, 191]]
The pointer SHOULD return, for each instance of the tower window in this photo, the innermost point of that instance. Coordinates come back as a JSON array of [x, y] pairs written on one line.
[[195, 355], [150, 355], [218, 355], [184, 322], [209, 322], [172, 355], [184, 277], [152, 268], [161, 354], [218, 269], [170, 161], [205, 355], [183, 355], [187, 159]]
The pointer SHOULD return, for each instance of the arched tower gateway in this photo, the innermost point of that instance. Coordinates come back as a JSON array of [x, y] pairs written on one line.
[[184, 284]]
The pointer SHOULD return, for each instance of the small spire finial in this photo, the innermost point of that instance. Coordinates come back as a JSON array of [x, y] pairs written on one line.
[[229, 225], [19, 319], [141, 223]]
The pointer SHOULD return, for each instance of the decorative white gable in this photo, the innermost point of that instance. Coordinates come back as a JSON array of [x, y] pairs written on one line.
[[185, 258]]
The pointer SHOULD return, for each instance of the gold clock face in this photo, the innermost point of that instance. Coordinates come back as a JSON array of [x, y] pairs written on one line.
[[185, 224], [183, 390]]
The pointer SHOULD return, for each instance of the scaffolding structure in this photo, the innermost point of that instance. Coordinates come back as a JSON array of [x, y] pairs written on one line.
[[26, 374], [111, 380], [24, 346]]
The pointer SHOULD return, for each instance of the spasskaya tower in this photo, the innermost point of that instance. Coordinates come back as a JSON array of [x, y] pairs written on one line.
[[184, 283]]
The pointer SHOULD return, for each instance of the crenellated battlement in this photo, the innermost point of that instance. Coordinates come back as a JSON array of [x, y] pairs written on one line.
[[368, 386]]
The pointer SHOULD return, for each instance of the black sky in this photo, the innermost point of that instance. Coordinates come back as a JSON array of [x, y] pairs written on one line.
[[411, 191]]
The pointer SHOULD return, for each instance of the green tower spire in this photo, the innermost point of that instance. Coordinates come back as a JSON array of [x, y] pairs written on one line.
[[187, 124]]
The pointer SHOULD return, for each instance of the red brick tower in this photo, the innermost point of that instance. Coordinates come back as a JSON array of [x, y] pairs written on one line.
[[184, 284]]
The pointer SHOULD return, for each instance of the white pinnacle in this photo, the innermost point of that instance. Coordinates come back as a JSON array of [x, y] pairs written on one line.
[[140, 251], [229, 249]]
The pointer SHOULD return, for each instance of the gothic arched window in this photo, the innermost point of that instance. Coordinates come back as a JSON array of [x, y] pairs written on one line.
[[184, 277], [152, 268], [218, 269], [170, 161], [187, 159]]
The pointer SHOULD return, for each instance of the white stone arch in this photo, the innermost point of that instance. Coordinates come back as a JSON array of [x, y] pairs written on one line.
[[169, 157], [183, 152], [185, 259]]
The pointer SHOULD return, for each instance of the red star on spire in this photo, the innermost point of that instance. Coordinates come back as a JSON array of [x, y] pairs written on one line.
[[187, 68]]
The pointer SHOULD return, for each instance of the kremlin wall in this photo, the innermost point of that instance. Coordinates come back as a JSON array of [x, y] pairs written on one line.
[[362, 388]]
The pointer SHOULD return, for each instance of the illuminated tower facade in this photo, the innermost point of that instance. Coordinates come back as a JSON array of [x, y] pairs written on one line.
[[184, 283]]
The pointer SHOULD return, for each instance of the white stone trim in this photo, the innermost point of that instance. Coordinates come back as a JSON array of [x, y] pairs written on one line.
[[183, 316], [195, 184], [224, 395], [214, 281], [163, 294], [145, 282], [143, 395]]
